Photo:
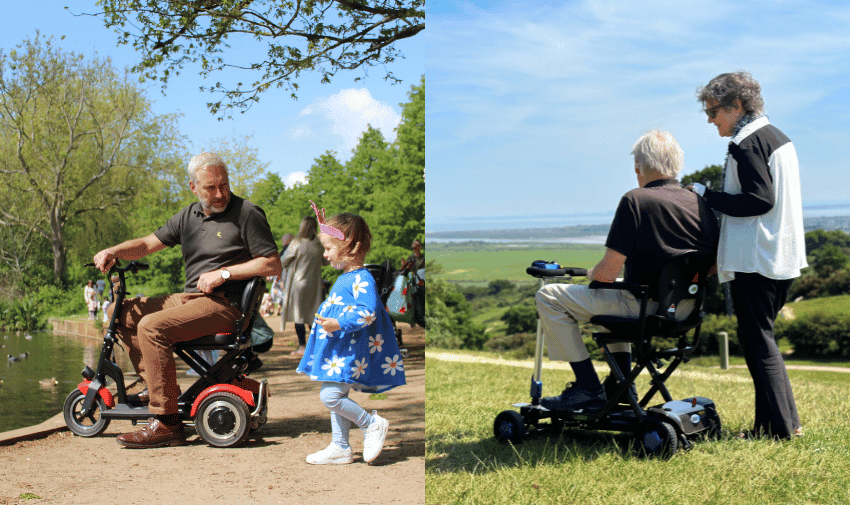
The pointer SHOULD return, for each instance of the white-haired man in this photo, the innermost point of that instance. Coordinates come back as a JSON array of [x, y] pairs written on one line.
[[225, 241], [653, 224]]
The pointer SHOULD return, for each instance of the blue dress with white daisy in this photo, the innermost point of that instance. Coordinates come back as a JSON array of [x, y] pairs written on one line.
[[364, 351]]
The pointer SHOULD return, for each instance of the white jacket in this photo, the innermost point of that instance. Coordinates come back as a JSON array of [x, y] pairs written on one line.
[[771, 244]]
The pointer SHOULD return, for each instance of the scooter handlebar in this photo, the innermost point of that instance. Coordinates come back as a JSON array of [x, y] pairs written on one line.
[[556, 272], [133, 266]]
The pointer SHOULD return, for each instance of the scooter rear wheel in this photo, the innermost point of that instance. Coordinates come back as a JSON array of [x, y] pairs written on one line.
[[84, 426]]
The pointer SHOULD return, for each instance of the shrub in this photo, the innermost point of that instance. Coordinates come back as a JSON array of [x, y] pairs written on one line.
[[818, 335], [712, 325], [448, 319], [520, 319]]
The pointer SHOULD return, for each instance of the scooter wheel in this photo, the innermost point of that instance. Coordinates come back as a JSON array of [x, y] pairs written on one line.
[[222, 420], [509, 427], [82, 425], [657, 439]]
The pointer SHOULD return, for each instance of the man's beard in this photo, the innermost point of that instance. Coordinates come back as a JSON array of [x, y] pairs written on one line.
[[207, 206]]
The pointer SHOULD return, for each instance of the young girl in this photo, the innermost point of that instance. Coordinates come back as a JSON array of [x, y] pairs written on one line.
[[352, 344]]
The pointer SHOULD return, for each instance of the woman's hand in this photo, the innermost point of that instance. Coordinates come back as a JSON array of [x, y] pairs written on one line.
[[329, 324]]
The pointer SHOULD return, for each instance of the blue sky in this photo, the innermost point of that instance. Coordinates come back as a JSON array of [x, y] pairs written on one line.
[[289, 134], [533, 107]]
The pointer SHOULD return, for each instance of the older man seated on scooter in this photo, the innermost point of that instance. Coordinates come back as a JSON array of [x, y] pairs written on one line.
[[225, 241], [653, 223]]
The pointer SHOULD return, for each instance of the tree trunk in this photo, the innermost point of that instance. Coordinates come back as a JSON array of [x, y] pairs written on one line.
[[57, 241]]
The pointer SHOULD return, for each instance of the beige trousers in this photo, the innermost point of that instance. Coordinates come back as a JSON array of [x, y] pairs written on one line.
[[562, 307]]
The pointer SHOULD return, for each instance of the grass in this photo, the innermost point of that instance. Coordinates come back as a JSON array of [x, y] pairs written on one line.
[[465, 263], [831, 304], [464, 463]]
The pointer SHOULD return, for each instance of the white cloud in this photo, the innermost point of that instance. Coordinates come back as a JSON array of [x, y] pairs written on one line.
[[294, 177], [349, 112]]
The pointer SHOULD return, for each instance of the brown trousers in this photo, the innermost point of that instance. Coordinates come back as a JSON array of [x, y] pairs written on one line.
[[150, 326]]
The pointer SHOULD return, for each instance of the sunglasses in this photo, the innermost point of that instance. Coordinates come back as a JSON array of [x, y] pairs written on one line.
[[712, 111]]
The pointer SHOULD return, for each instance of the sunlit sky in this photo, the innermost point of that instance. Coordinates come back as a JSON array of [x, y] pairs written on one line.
[[533, 107], [289, 134]]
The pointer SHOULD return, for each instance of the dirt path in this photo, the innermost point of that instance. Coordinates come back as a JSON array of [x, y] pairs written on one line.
[[269, 468]]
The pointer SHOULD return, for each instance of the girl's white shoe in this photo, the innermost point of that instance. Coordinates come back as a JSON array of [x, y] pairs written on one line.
[[331, 455], [374, 437]]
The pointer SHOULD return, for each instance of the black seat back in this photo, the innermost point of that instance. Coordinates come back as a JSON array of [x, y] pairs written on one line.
[[681, 287], [249, 305], [382, 272]]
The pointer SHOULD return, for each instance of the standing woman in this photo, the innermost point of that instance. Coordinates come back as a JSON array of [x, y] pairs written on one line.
[[762, 244], [302, 292]]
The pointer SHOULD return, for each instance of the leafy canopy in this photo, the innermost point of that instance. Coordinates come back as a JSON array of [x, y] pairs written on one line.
[[325, 36]]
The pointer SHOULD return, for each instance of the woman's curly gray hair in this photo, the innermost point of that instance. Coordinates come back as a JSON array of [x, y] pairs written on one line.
[[726, 88]]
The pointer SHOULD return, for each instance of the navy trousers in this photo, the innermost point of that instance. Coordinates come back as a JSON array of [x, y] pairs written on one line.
[[757, 300]]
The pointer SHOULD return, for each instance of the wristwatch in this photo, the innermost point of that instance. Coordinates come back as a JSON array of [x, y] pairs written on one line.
[[225, 274]]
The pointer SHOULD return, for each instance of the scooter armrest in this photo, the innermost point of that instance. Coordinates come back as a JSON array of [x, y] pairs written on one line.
[[631, 287]]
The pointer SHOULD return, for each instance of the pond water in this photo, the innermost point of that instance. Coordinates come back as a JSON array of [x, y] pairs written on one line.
[[27, 393]]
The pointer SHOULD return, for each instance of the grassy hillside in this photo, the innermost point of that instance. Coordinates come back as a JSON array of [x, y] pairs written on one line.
[[480, 262]]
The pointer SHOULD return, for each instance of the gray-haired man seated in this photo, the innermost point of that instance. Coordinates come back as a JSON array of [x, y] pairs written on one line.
[[654, 223]]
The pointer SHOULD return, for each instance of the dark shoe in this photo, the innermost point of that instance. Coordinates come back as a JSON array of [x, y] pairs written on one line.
[[141, 398], [155, 434], [575, 397], [610, 386]]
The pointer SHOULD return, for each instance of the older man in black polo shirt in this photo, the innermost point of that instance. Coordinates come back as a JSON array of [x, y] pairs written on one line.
[[653, 223], [225, 241]]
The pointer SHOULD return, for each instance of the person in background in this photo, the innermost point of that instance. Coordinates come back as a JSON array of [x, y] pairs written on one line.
[[762, 242], [413, 264], [110, 297], [90, 296], [302, 293]]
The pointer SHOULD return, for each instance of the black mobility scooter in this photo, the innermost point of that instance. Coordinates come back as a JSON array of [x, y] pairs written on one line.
[[662, 429], [224, 404]]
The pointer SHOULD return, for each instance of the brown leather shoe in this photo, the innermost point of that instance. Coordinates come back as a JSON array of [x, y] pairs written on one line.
[[155, 434], [142, 397]]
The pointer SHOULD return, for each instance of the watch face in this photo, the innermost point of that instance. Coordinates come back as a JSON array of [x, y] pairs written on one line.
[[225, 274]]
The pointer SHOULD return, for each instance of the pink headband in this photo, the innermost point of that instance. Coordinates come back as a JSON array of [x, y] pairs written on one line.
[[330, 230]]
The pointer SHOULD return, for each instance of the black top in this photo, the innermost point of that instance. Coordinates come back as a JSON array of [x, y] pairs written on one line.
[[752, 157], [232, 237], [658, 222]]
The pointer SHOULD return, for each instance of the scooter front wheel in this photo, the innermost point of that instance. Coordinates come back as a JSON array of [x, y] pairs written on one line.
[[84, 425], [509, 426], [222, 420]]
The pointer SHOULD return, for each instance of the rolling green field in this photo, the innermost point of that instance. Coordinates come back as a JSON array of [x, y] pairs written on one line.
[[830, 304], [480, 262], [464, 464]]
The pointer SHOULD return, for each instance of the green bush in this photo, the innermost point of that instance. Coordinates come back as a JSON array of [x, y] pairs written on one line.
[[448, 317], [818, 335], [21, 314], [520, 319], [56, 302], [517, 345], [712, 325]]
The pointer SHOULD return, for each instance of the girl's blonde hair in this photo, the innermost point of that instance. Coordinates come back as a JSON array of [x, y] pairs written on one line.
[[355, 229]]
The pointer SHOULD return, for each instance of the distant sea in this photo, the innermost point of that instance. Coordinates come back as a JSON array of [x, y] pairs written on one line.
[[588, 228]]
